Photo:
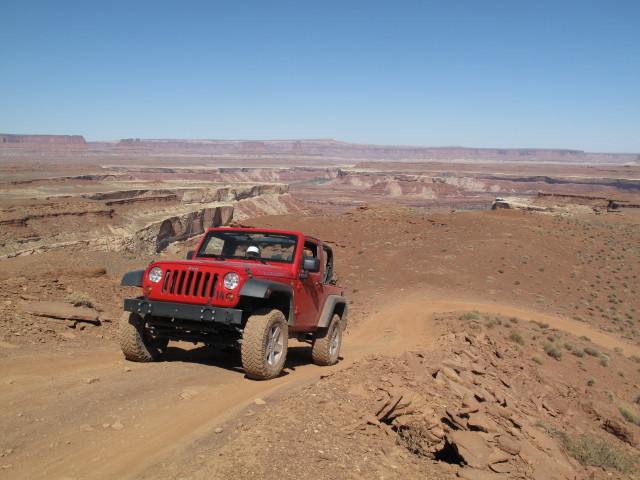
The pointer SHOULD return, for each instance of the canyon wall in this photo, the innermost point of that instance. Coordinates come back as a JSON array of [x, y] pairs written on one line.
[[135, 220]]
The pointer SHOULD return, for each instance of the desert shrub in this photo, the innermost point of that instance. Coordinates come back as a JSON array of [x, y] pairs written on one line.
[[516, 336], [469, 316], [514, 320], [586, 339], [629, 415], [618, 350], [591, 351], [78, 299], [541, 324], [591, 452], [621, 373], [493, 321], [635, 358], [412, 438], [577, 351], [552, 350], [538, 360], [604, 361], [591, 382]]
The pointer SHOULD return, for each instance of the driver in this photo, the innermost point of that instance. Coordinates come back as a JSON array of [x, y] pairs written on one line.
[[253, 252]]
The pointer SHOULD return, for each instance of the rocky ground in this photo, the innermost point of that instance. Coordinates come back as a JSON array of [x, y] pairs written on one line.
[[481, 344]]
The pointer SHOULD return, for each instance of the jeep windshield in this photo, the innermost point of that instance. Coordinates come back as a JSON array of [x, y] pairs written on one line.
[[234, 244]]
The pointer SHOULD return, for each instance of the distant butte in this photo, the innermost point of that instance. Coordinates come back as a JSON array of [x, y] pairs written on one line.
[[320, 148]]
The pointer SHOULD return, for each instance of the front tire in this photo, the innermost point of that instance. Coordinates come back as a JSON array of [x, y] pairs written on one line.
[[264, 344], [327, 343], [136, 342]]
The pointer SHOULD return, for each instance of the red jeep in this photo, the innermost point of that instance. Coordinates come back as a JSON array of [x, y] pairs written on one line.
[[242, 287]]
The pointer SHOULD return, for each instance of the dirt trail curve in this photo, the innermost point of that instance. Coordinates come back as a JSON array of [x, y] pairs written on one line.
[[95, 416]]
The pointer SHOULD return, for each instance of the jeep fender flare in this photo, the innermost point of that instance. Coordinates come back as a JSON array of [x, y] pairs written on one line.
[[260, 288], [132, 279], [334, 304]]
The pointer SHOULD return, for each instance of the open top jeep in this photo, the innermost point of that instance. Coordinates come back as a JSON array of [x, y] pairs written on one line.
[[246, 288]]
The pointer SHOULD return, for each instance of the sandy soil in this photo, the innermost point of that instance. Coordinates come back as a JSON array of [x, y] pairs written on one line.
[[79, 414]]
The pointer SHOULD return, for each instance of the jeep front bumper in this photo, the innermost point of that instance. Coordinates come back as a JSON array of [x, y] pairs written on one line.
[[184, 311]]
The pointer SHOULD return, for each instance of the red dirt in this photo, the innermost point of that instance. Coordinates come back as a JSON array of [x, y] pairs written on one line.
[[74, 408]]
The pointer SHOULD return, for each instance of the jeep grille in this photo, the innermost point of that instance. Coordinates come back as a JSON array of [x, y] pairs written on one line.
[[188, 283]]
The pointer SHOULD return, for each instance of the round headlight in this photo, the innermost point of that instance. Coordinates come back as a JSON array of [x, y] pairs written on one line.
[[231, 281], [155, 274]]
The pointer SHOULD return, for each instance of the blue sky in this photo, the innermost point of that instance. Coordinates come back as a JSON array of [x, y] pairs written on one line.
[[504, 73]]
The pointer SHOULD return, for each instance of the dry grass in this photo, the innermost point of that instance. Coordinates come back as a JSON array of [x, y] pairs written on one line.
[[590, 451], [78, 299], [629, 415], [553, 350]]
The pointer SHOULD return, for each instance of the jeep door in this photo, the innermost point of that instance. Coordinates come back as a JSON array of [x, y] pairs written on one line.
[[311, 296]]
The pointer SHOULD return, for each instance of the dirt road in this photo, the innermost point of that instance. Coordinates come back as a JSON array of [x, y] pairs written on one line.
[[77, 414]]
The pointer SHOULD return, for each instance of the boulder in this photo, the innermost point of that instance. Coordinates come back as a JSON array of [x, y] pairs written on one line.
[[474, 449]]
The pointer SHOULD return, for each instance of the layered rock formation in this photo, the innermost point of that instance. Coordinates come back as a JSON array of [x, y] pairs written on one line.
[[133, 219], [42, 139], [310, 151]]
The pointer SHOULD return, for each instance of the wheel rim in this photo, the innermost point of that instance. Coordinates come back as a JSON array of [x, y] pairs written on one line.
[[334, 340], [275, 345]]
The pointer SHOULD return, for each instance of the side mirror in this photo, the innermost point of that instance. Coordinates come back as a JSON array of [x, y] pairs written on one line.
[[309, 265], [190, 254]]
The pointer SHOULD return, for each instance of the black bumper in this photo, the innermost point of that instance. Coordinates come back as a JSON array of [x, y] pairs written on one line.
[[201, 313]]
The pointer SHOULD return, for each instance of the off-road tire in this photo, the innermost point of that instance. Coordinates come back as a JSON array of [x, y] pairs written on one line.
[[135, 341], [327, 343], [264, 344]]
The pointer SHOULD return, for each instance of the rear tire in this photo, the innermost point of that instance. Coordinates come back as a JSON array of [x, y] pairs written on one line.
[[264, 344], [136, 342], [327, 342]]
